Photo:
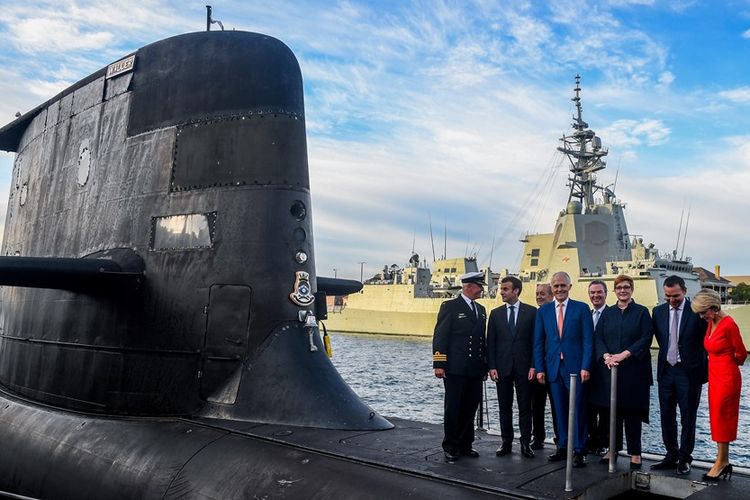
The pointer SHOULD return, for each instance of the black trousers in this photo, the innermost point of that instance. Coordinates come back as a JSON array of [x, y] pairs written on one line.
[[539, 395], [462, 396], [598, 427], [632, 421], [677, 390], [505, 386]]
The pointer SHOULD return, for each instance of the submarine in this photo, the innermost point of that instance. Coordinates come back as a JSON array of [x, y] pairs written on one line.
[[158, 264], [160, 310]]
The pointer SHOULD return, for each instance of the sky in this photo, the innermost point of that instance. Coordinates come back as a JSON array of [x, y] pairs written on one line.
[[447, 114]]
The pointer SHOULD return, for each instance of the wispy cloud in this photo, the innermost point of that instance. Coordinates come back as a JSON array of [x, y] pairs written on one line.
[[738, 95], [55, 35], [631, 133]]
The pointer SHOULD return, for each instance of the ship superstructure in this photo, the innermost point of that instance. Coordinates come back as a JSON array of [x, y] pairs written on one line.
[[590, 239]]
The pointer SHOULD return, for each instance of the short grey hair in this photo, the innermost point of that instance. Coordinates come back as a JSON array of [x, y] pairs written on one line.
[[562, 274]]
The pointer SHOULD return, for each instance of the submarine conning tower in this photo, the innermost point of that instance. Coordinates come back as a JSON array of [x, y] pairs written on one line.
[[158, 253]]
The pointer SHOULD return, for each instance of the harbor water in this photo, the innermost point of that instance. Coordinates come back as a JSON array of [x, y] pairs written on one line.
[[393, 374]]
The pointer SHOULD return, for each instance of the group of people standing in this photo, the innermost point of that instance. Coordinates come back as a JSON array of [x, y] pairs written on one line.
[[534, 351]]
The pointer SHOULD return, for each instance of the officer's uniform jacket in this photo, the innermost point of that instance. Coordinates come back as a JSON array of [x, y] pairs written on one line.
[[459, 344]]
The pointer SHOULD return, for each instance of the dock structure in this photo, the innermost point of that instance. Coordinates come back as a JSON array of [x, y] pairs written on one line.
[[413, 449]]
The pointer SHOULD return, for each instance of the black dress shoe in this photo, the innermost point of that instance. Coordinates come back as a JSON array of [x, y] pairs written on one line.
[[505, 449], [557, 456], [664, 465], [470, 453], [683, 468], [450, 457], [526, 450], [579, 460], [537, 445]]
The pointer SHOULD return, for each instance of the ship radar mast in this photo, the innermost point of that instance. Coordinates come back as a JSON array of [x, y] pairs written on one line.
[[584, 151]]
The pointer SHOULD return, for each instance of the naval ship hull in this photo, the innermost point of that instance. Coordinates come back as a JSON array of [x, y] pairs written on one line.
[[392, 309]]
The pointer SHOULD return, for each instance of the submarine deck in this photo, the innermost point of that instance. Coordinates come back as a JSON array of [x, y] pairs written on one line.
[[413, 449]]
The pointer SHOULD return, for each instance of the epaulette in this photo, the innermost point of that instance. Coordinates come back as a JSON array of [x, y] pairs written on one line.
[[437, 357]]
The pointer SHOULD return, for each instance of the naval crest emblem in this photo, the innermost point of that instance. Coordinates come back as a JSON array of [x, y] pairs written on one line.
[[302, 292]]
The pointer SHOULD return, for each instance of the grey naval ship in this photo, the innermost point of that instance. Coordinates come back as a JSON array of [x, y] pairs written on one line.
[[590, 241], [160, 307]]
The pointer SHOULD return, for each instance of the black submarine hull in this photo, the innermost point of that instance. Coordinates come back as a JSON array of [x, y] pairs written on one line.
[[144, 458]]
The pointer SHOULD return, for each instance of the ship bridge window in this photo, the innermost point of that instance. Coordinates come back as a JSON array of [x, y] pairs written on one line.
[[453, 269], [534, 253], [534, 262], [182, 232]]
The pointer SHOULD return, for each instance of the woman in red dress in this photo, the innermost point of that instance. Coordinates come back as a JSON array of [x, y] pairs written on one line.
[[726, 353]]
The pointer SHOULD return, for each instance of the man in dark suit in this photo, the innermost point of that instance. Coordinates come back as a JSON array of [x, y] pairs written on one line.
[[460, 359], [510, 344], [598, 439], [681, 371], [563, 345]]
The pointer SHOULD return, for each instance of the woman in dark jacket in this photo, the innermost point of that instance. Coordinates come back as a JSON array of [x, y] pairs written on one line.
[[623, 339]]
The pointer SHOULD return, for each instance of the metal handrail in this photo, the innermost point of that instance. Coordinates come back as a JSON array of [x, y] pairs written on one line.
[[571, 431], [613, 419]]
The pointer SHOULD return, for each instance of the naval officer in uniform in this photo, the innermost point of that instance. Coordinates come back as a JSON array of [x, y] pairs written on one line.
[[460, 359]]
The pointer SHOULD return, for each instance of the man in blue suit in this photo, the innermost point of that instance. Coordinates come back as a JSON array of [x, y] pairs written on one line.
[[563, 345]]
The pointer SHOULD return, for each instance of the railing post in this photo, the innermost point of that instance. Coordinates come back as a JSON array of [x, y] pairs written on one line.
[[613, 419], [480, 415], [572, 427]]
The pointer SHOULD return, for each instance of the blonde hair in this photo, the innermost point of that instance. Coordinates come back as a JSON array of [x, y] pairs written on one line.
[[704, 300]]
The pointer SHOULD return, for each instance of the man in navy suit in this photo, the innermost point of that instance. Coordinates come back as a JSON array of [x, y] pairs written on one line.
[[563, 345], [681, 372], [460, 359], [510, 342]]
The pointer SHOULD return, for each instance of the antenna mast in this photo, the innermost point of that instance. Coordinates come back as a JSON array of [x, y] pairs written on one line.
[[492, 250], [679, 230], [445, 238], [210, 20], [432, 240], [584, 151], [684, 236]]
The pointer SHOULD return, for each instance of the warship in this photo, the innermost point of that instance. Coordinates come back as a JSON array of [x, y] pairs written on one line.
[[590, 241]]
